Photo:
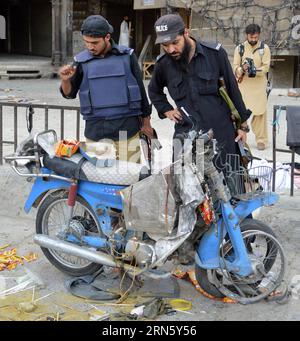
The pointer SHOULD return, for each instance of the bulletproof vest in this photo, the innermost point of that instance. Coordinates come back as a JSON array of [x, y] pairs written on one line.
[[108, 89]]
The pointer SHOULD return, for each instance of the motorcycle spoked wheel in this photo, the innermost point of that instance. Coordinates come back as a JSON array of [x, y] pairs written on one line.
[[51, 216], [264, 251]]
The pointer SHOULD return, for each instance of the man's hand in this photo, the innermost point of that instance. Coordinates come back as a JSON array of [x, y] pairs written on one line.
[[146, 127], [241, 135], [66, 72], [174, 115], [245, 67], [239, 74]]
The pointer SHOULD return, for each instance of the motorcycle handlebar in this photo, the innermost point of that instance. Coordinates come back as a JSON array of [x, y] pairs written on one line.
[[193, 135], [194, 132], [187, 139]]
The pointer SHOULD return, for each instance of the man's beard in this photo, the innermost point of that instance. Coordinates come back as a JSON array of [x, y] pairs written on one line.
[[183, 58], [95, 53], [252, 43]]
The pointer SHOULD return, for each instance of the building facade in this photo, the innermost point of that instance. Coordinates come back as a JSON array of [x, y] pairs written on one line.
[[225, 21], [52, 28]]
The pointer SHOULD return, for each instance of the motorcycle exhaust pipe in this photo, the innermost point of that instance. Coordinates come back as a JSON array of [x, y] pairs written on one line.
[[93, 256], [74, 250]]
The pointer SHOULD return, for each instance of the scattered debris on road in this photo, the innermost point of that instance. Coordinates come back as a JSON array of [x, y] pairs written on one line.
[[9, 259], [190, 276], [295, 92]]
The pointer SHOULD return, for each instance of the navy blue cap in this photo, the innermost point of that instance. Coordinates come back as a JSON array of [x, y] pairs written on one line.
[[168, 27], [96, 26]]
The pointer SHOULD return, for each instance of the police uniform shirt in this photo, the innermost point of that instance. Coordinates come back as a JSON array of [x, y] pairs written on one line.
[[196, 89], [97, 129]]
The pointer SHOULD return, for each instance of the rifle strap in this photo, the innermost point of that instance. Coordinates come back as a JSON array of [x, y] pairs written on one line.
[[223, 92], [237, 118]]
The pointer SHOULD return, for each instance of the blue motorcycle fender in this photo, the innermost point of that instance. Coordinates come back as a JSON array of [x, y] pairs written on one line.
[[244, 208], [96, 194], [40, 188], [207, 252]]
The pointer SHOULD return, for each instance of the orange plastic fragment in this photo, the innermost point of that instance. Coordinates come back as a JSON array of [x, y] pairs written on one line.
[[9, 259], [4, 246], [30, 257], [206, 211], [66, 148], [191, 276]]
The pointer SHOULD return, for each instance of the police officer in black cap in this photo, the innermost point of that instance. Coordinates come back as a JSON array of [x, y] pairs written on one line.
[[191, 70], [111, 91]]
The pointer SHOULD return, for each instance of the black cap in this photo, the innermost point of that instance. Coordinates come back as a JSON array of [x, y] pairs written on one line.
[[168, 27], [96, 26]]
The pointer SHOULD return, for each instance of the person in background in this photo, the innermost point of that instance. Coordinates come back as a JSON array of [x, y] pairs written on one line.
[[125, 32], [253, 81]]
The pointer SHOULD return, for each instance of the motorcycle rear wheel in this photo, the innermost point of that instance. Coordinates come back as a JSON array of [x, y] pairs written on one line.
[[247, 290], [51, 217]]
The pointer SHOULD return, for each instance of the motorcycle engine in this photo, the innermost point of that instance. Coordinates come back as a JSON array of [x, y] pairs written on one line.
[[142, 251]]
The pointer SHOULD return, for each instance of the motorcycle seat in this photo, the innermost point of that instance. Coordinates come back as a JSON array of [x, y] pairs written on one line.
[[77, 167]]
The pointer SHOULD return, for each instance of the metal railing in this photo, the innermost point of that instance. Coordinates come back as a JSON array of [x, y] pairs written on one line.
[[275, 149], [146, 51], [46, 108]]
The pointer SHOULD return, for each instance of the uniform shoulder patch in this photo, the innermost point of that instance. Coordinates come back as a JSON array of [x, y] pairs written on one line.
[[211, 45], [158, 58], [83, 56], [123, 49]]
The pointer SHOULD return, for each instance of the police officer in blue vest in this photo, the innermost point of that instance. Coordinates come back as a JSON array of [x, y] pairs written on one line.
[[111, 91]]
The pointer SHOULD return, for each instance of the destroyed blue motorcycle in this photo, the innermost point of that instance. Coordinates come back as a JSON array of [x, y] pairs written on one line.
[[92, 212]]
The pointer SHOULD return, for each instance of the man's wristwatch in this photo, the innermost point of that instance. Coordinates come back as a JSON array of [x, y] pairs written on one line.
[[245, 128]]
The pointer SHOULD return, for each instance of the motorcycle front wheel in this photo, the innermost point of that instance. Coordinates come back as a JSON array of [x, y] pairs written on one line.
[[267, 259], [52, 218]]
